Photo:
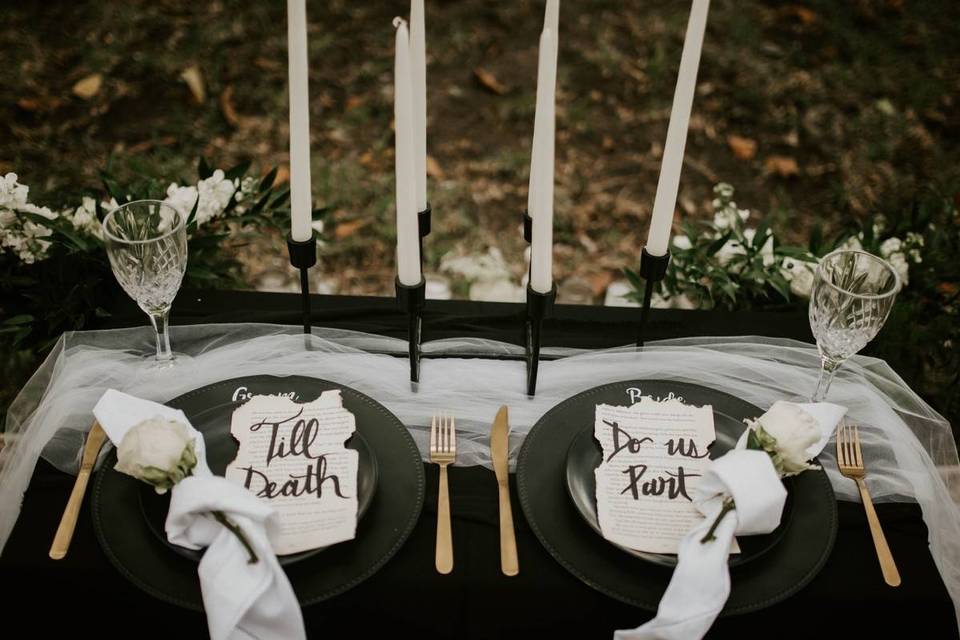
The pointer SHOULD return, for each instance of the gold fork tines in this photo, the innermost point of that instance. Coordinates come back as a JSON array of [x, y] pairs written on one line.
[[850, 463], [443, 451]]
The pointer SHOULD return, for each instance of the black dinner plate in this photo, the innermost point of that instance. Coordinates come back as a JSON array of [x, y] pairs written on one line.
[[149, 562], [222, 447], [585, 455], [798, 552]]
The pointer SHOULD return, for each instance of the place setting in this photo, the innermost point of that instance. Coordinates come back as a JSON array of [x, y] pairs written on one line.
[[341, 472]]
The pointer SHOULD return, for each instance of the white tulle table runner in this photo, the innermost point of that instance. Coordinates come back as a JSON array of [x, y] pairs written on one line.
[[908, 447]]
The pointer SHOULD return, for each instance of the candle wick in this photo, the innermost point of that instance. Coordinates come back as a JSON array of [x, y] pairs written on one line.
[[397, 21]]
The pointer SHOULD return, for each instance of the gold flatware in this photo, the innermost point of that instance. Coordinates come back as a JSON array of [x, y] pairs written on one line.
[[443, 451], [499, 453], [61, 541], [850, 463]]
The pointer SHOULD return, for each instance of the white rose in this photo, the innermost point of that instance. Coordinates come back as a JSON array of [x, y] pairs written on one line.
[[852, 243], [159, 452], [682, 242], [890, 246], [794, 431], [899, 263], [181, 198]]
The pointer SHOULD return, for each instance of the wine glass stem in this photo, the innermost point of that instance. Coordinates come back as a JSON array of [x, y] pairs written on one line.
[[159, 321], [828, 367]]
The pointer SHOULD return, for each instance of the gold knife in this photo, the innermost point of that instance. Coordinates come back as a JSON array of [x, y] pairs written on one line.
[[61, 541], [500, 452]]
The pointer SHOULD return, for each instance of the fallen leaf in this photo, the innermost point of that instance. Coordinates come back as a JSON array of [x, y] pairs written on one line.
[[146, 145], [226, 105], [434, 170], [268, 64], [599, 282], [783, 166], [367, 159], [607, 143], [88, 87], [347, 229], [743, 148], [587, 243], [194, 79], [43, 104], [803, 14], [490, 81], [283, 175], [353, 102]]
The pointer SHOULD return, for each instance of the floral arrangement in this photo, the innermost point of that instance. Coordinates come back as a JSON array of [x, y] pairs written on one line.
[[725, 263], [54, 271]]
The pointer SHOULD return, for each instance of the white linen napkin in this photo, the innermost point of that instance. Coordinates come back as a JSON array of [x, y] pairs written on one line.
[[242, 600], [700, 584]]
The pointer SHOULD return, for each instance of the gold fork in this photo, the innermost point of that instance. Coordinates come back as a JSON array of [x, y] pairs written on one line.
[[850, 463], [443, 451]]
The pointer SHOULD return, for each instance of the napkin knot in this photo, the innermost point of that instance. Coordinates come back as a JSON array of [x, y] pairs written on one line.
[[750, 478], [193, 499]]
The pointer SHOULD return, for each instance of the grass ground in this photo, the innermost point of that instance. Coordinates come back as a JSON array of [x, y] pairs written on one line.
[[817, 112]]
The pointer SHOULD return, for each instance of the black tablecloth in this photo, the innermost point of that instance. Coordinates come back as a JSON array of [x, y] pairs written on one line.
[[83, 594]]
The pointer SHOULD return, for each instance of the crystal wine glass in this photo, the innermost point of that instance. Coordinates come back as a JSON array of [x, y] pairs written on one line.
[[146, 242], [853, 292]]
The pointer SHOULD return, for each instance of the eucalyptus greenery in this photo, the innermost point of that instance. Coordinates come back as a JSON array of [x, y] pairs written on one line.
[[54, 272], [723, 263]]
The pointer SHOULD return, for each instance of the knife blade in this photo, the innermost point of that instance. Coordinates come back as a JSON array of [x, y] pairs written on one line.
[[500, 453], [68, 522]]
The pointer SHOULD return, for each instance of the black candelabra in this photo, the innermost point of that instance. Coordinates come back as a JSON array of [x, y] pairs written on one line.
[[652, 270]]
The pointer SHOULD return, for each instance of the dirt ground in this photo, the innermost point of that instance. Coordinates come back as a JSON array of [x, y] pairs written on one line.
[[816, 111]]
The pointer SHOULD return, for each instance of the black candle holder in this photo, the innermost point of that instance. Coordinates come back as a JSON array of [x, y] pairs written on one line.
[[652, 269], [539, 306], [423, 227], [303, 255], [411, 301]]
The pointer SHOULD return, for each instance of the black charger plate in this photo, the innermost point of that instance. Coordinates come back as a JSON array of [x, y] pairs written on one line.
[[145, 559], [802, 544]]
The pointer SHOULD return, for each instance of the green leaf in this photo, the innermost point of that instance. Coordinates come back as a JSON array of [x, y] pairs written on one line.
[[261, 203], [203, 169], [717, 244], [268, 179], [19, 319], [238, 171], [760, 237], [816, 239], [753, 442]]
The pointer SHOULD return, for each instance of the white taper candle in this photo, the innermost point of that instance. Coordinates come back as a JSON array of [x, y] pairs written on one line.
[[418, 67], [408, 238], [541, 250], [551, 21], [301, 201], [665, 202]]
